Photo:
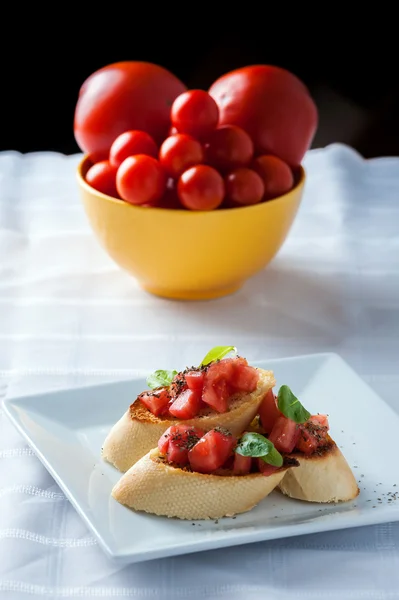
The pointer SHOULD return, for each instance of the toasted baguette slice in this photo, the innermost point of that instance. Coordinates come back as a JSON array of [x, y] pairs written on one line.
[[156, 487], [138, 431], [320, 478]]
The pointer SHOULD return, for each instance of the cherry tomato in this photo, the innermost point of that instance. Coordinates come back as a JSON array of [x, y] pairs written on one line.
[[272, 105], [123, 96], [179, 152], [201, 188], [102, 177], [276, 175], [228, 148], [129, 143], [195, 112], [140, 179], [243, 187]]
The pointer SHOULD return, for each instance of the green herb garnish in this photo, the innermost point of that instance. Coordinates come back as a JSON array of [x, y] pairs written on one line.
[[258, 446], [160, 378], [217, 353], [290, 406]]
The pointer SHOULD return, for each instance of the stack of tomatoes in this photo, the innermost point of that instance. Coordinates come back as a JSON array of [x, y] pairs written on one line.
[[152, 142]]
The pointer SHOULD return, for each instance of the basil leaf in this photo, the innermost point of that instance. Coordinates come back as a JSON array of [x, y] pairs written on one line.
[[290, 406], [258, 446], [253, 444], [274, 458], [217, 353], [160, 378]]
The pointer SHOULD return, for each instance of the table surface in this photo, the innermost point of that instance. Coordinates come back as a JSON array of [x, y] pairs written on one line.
[[69, 316]]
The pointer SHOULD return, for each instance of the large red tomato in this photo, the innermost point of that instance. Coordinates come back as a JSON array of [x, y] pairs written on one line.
[[124, 96], [272, 105]]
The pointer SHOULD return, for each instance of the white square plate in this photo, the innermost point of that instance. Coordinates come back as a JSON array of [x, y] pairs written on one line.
[[67, 428]]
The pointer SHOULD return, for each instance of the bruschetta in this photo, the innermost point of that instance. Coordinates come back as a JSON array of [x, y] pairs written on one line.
[[198, 475], [323, 474], [226, 392]]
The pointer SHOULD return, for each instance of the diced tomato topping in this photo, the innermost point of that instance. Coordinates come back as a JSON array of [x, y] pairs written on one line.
[[190, 392], [313, 434], [211, 452], [242, 464], [307, 442], [320, 420], [284, 435], [177, 453], [216, 390], [269, 412], [245, 379], [265, 468], [176, 442], [163, 441], [186, 405], [223, 369], [216, 395], [226, 377], [195, 381], [177, 386], [156, 401], [229, 463], [240, 361]]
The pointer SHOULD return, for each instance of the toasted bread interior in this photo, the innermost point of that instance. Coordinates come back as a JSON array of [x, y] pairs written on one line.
[[321, 477]]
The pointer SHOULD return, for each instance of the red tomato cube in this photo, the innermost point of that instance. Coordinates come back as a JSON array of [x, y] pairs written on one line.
[[212, 451], [216, 395], [285, 434], [177, 453], [242, 464], [313, 434], [321, 420], [269, 412], [186, 405], [195, 381], [307, 442], [245, 378], [176, 442], [163, 442], [156, 401], [265, 468]]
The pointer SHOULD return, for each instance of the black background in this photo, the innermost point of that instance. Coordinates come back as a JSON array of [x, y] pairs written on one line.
[[350, 63]]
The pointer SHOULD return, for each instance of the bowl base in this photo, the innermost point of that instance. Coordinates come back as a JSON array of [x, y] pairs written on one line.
[[191, 294]]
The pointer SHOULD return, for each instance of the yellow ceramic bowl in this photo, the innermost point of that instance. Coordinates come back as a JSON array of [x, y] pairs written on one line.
[[190, 255]]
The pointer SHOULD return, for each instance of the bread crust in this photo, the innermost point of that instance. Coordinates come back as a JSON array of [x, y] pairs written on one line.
[[323, 477], [138, 431], [156, 487]]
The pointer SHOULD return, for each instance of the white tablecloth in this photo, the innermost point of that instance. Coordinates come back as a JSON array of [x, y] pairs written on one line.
[[68, 317]]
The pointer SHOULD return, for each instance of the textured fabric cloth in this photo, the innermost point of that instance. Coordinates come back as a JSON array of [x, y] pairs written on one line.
[[70, 317]]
